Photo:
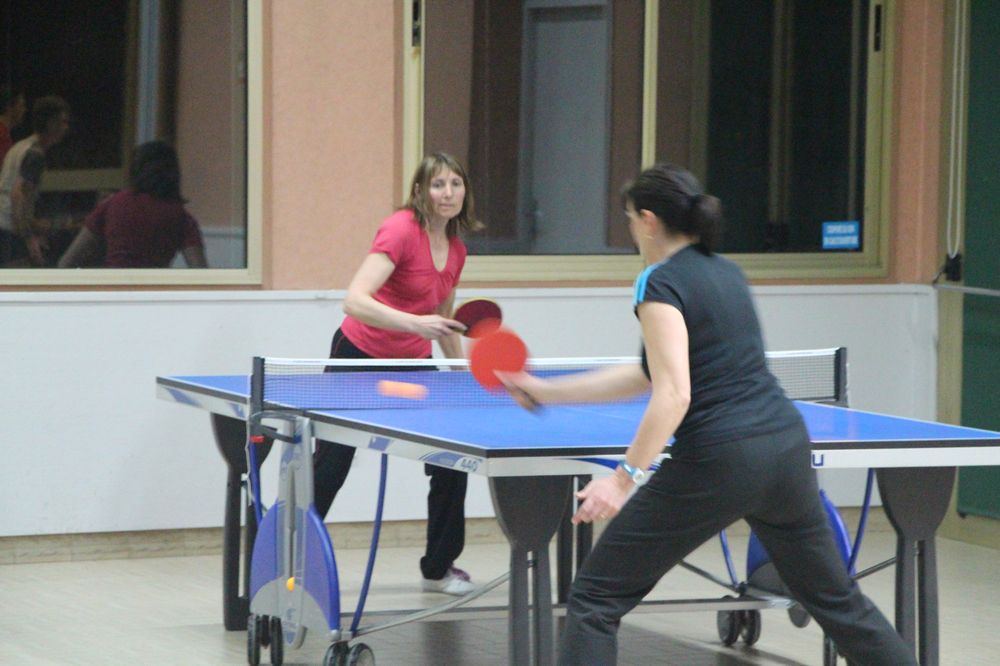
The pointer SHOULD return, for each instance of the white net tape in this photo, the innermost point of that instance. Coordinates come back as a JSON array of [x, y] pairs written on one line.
[[359, 383]]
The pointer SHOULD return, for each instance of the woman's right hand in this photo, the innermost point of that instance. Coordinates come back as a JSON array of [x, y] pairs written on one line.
[[524, 388], [432, 326]]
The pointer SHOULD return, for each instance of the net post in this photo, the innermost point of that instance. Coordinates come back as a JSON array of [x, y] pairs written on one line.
[[840, 376], [257, 386], [254, 508]]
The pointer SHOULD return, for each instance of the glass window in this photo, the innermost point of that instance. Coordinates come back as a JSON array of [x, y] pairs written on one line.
[[131, 72], [554, 104], [776, 129]]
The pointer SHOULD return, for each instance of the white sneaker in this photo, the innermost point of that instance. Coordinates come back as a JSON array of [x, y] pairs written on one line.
[[456, 582]]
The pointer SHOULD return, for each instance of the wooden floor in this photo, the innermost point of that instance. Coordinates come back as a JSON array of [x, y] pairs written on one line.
[[168, 611]]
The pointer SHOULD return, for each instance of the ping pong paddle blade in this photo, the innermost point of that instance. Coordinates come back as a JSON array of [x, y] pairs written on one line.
[[500, 350], [480, 316]]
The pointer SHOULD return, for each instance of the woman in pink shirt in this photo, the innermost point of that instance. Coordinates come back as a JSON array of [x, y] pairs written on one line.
[[401, 299]]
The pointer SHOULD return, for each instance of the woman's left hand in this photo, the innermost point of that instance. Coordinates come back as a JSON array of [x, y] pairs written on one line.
[[602, 499]]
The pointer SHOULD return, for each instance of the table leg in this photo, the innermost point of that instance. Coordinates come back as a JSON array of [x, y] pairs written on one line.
[[581, 536], [564, 557], [915, 500], [928, 601], [529, 510], [542, 596], [518, 622], [584, 531], [906, 590], [230, 438]]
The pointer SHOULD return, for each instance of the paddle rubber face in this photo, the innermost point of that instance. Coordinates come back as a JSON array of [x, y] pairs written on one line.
[[500, 350], [480, 316]]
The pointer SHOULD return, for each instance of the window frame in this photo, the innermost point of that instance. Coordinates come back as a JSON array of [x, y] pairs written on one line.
[[251, 274], [871, 262]]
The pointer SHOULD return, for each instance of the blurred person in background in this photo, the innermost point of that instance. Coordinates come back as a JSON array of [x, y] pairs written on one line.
[[23, 236], [12, 110], [144, 225]]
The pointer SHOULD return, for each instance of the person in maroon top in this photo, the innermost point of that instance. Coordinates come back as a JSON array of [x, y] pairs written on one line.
[[400, 299], [143, 226]]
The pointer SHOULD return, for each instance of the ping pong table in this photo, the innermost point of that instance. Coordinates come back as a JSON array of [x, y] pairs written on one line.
[[531, 459]]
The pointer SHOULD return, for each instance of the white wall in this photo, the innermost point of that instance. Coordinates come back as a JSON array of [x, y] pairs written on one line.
[[87, 447], [890, 332], [225, 247]]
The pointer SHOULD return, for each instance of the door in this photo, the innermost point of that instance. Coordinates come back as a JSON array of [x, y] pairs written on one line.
[[565, 116]]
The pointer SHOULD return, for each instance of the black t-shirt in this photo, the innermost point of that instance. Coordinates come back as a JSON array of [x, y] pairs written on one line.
[[733, 394]]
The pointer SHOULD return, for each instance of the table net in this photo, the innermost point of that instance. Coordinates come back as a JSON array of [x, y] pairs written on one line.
[[814, 375], [318, 384]]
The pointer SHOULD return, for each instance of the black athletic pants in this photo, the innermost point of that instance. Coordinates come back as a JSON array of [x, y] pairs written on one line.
[[445, 500], [698, 492]]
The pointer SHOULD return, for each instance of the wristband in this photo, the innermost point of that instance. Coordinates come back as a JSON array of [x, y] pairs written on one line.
[[637, 474]]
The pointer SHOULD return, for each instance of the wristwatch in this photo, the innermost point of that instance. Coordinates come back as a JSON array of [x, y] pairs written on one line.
[[637, 473]]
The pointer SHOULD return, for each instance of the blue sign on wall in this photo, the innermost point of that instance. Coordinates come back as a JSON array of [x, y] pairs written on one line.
[[842, 235]]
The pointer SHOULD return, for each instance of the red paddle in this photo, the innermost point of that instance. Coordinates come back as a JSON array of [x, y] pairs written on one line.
[[479, 315], [500, 350]]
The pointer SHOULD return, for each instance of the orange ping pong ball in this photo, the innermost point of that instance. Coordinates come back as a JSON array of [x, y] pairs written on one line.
[[290, 584], [393, 389]]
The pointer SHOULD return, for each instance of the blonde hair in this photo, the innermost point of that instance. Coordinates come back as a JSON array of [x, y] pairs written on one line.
[[419, 200]]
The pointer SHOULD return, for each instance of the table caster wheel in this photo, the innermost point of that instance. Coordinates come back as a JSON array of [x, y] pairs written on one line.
[[253, 640], [264, 630], [728, 623], [751, 626], [361, 655], [336, 655], [277, 642]]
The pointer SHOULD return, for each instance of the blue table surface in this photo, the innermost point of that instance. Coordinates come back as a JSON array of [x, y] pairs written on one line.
[[459, 410]]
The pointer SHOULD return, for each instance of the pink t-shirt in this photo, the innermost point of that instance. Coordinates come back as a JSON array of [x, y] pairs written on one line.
[[415, 286]]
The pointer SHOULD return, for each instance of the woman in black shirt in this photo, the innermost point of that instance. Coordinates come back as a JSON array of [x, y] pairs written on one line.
[[740, 447]]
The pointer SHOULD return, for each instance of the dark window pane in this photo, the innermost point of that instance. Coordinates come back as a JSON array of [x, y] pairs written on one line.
[[76, 50]]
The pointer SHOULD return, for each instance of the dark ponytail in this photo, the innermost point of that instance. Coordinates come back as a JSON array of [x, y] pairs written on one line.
[[675, 197], [705, 220]]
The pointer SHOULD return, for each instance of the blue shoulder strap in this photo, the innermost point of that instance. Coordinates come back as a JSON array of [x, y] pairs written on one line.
[[640, 283]]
